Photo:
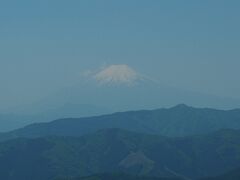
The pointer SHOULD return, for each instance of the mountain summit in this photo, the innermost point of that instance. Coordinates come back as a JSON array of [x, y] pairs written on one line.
[[117, 88], [117, 74]]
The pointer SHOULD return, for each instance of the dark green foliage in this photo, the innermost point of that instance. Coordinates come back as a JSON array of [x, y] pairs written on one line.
[[24, 159], [233, 175], [118, 177], [115, 150]]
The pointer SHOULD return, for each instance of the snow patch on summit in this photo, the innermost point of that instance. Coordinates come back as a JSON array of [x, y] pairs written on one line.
[[117, 74]]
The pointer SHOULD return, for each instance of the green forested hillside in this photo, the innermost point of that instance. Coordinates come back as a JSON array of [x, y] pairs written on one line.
[[116, 150], [118, 177], [232, 175]]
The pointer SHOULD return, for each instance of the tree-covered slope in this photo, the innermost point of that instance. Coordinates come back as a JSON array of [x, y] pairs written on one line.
[[232, 175], [118, 176], [115, 150]]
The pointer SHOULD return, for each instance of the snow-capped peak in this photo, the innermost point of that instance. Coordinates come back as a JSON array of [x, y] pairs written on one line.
[[117, 74]]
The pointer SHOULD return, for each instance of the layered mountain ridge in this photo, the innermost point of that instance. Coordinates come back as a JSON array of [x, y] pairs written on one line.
[[178, 121]]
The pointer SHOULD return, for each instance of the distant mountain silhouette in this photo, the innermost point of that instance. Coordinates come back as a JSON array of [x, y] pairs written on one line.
[[12, 121], [115, 88], [178, 121], [122, 88], [9, 122]]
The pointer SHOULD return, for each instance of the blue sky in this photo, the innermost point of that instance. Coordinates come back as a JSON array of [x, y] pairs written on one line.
[[45, 45]]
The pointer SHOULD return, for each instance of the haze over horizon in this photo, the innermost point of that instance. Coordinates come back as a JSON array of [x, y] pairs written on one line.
[[120, 90], [46, 46]]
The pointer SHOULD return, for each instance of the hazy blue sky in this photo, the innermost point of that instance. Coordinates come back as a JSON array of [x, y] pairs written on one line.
[[45, 45]]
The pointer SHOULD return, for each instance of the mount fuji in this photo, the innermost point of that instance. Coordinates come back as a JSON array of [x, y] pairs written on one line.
[[117, 74], [114, 88], [122, 88]]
